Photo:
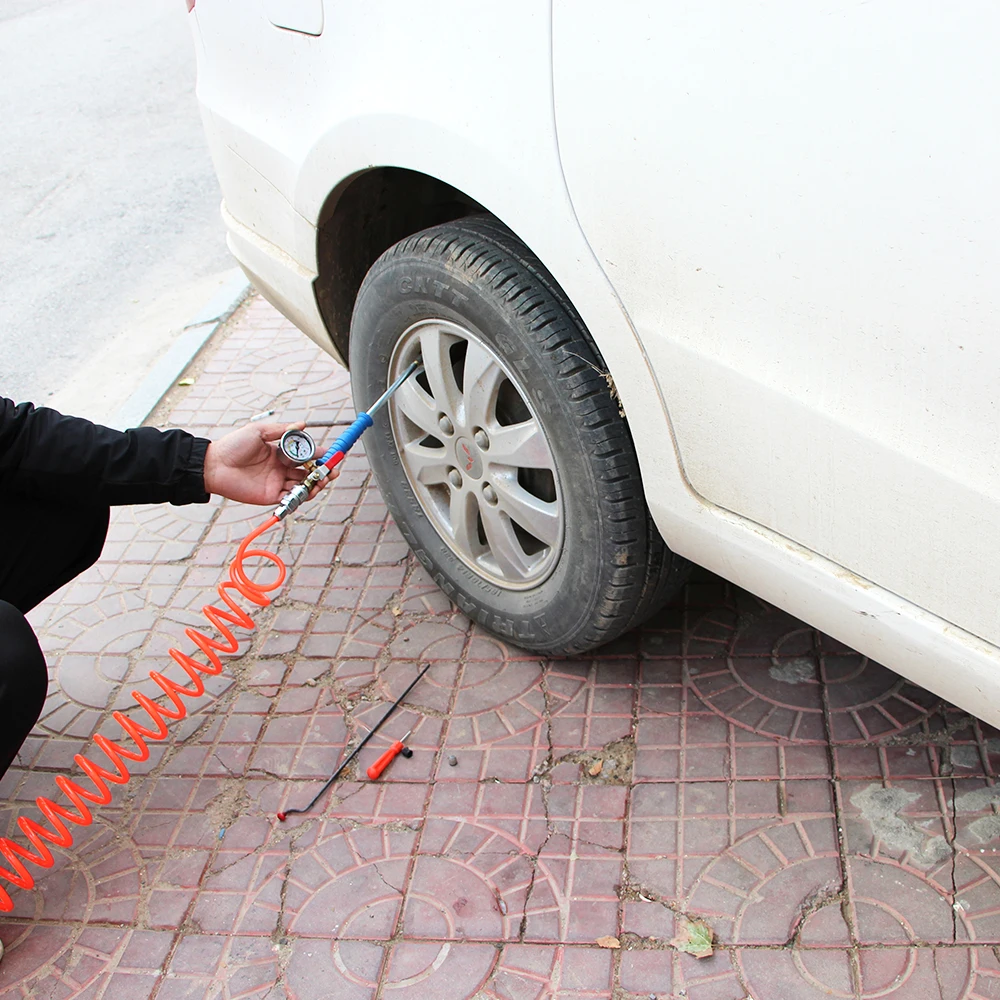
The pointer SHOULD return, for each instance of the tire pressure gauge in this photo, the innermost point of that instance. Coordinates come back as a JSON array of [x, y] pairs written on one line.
[[298, 446]]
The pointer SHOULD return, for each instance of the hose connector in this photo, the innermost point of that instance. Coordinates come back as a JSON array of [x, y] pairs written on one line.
[[297, 495]]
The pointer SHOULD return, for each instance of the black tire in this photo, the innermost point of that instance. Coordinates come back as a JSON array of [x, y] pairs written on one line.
[[613, 569]]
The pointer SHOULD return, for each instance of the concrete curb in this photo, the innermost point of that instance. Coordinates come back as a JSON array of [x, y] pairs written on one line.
[[168, 369]]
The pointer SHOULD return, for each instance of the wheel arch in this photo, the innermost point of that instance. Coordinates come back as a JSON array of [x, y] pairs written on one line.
[[361, 218], [520, 184]]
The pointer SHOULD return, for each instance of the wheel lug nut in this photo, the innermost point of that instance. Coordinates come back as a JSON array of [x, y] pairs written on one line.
[[489, 494], [455, 478], [482, 439], [446, 426]]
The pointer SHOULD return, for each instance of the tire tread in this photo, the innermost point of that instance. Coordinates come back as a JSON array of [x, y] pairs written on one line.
[[646, 573]]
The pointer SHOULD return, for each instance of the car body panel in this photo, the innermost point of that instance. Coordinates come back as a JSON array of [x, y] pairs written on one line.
[[807, 243], [296, 15], [455, 92]]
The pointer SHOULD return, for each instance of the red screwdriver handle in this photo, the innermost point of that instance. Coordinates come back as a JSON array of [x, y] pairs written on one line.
[[383, 762]]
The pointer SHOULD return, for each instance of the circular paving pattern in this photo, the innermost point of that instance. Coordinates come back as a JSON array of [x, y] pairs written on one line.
[[837, 970], [98, 880], [366, 885], [495, 695], [427, 964], [769, 673], [263, 378], [774, 888], [185, 523], [358, 890]]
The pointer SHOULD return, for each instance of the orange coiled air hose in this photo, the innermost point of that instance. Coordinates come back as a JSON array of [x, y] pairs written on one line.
[[238, 580], [57, 815]]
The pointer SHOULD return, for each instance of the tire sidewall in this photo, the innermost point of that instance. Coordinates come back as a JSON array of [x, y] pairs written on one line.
[[403, 289]]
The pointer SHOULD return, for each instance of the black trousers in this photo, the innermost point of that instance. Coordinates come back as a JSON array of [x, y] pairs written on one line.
[[46, 545]]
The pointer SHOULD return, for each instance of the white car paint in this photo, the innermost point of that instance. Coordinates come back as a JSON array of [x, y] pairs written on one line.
[[297, 15], [806, 245], [810, 430]]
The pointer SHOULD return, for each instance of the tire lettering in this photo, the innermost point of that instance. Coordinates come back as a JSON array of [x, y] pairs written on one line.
[[470, 609], [504, 626], [507, 627], [419, 283]]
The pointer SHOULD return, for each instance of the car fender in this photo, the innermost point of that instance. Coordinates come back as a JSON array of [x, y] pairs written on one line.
[[534, 203]]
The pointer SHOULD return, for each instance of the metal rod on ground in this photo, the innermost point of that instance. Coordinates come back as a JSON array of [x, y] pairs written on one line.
[[347, 760]]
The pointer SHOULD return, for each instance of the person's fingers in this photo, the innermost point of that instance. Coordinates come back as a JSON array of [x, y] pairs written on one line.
[[328, 480], [272, 432]]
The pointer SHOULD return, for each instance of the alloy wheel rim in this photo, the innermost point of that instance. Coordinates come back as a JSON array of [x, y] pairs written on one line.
[[476, 456]]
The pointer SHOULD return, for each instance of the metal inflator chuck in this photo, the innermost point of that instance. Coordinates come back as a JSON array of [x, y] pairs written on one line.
[[294, 445]]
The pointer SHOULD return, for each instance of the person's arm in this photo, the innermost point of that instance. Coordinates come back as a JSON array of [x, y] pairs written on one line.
[[43, 453]]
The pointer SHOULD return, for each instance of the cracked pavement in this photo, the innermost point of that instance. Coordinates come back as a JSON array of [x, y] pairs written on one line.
[[836, 827]]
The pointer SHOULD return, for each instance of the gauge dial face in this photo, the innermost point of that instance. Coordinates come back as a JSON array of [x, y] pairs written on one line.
[[298, 446]]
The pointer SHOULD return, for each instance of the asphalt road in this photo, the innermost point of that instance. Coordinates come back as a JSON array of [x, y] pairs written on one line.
[[109, 214]]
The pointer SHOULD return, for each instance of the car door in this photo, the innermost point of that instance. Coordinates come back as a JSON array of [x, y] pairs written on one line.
[[797, 204]]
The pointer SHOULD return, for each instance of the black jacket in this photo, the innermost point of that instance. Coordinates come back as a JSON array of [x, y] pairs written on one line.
[[45, 454]]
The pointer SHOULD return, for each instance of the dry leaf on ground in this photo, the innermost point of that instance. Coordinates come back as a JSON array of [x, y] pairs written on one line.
[[695, 938]]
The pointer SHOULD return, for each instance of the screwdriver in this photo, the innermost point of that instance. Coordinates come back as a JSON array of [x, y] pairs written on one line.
[[386, 759]]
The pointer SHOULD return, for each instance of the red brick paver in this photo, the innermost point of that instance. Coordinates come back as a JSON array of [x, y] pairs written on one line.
[[837, 827]]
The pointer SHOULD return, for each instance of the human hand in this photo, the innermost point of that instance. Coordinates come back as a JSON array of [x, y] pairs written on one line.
[[247, 465]]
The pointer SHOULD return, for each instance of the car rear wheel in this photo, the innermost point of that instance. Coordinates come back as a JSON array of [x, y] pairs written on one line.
[[506, 462]]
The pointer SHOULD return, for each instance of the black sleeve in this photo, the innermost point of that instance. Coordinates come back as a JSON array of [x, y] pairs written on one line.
[[43, 453]]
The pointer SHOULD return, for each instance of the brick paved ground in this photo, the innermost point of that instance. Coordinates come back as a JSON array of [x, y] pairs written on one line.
[[836, 826]]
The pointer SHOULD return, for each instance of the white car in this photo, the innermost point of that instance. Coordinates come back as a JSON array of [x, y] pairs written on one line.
[[689, 280]]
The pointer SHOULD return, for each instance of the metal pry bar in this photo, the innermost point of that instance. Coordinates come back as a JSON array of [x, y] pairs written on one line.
[[347, 760]]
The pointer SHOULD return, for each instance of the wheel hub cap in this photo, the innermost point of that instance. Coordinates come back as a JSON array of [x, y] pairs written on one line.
[[476, 455], [467, 454]]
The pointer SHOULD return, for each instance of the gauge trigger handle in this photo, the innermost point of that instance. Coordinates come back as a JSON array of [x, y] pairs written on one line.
[[349, 438]]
